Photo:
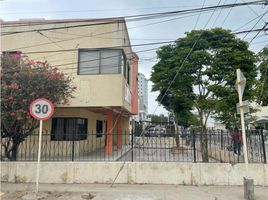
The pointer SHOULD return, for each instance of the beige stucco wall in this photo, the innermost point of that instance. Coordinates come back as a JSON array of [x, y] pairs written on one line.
[[135, 172], [92, 90]]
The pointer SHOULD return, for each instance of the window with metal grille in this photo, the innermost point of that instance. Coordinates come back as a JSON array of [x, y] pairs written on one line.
[[101, 61], [69, 129]]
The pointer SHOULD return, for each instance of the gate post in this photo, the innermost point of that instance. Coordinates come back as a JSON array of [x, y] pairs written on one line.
[[72, 147], [132, 143], [221, 139], [194, 148], [263, 147]]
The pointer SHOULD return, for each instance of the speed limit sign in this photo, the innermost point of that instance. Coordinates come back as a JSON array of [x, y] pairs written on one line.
[[41, 109]]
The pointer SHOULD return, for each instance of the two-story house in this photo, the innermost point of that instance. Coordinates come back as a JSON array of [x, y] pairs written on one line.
[[97, 53]]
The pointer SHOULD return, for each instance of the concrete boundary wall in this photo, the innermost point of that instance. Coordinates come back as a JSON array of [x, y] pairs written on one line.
[[134, 173]]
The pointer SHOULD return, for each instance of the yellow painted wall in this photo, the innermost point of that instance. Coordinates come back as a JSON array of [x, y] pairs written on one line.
[[84, 149], [92, 90]]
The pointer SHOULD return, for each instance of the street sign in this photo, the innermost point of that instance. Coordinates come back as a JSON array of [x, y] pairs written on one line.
[[241, 80], [41, 109], [245, 106]]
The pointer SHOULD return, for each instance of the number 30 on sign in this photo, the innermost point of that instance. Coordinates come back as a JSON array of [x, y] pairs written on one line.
[[41, 109]]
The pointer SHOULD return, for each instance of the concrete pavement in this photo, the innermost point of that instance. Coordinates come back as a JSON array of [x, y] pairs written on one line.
[[128, 192]]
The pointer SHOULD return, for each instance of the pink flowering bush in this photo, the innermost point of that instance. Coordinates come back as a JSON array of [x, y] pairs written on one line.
[[23, 81]]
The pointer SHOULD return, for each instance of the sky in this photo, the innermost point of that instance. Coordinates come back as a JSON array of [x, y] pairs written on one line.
[[140, 31]]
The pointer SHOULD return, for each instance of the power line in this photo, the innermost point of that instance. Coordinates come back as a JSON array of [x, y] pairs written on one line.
[[108, 47], [94, 35], [122, 38], [143, 16], [56, 28], [90, 35], [260, 18], [248, 22], [197, 20], [100, 10], [86, 61], [134, 45], [92, 60], [223, 22], [51, 40], [214, 23], [262, 29], [250, 31], [253, 10]]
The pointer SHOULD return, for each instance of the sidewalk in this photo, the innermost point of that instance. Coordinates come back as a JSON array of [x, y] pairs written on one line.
[[129, 192]]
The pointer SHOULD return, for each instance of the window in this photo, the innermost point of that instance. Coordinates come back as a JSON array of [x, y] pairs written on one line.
[[99, 128], [102, 61], [128, 73], [11, 52], [69, 129]]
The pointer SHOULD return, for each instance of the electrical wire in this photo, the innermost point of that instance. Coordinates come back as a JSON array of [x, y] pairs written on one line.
[[197, 20], [92, 60], [69, 39], [248, 22], [223, 22], [262, 29], [101, 10], [94, 35], [253, 10], [214, 23], [260, 18], [141, 17], [107, 47], [250, 31], [121, 46]]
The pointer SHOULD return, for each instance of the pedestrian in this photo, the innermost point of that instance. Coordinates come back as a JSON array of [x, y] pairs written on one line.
[[237, 141]]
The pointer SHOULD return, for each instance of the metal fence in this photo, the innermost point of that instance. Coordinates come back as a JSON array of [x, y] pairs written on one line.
[[148, 147]]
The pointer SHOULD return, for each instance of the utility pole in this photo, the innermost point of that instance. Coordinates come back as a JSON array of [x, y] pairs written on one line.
[[241, 82]]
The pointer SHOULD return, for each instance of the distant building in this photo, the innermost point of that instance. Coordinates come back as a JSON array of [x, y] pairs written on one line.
[[219, 125], [143, 98], [261, 117]]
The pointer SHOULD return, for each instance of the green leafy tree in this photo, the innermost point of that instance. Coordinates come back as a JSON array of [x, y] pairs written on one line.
[[263, 84], [23, 81], [206, 80], [158, 118]]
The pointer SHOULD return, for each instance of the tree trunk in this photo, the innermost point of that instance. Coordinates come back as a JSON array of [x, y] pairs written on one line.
[[14, 151], [203, 138], [11, 153], [204, 144]]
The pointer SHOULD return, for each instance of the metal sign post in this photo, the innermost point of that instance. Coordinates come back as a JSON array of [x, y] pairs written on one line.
[[39, 155], [240, 83], [41, 109]]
